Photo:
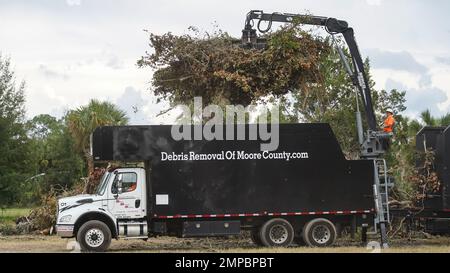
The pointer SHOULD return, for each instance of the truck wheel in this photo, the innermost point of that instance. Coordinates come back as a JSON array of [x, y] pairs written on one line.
[[319, 233], [277, 233], [256, 239], [94, 236]]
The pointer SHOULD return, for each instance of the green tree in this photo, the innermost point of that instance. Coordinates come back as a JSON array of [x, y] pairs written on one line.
[[333, 101], [83, 121], [53, 153], [13, 139]]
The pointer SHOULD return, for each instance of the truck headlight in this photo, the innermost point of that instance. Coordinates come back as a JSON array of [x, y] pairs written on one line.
[[65, 219]]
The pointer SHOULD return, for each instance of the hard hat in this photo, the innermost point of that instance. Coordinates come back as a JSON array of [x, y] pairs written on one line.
[[389, 110]]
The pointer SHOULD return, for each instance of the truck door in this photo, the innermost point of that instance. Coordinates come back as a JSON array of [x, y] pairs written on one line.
[[125, 199]]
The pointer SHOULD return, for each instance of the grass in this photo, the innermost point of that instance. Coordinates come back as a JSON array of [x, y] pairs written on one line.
[[33, 243], [39, 244], [10, 215]]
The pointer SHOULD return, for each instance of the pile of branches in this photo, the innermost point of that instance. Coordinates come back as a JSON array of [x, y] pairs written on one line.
[[424, 181], [43, 219], [219, 70], [93, 180], [425, 178]]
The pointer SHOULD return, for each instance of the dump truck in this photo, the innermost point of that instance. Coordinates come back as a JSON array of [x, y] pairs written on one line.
[[304, 192]]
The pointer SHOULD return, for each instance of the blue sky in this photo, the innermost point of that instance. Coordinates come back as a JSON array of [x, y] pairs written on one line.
[[69, 51]]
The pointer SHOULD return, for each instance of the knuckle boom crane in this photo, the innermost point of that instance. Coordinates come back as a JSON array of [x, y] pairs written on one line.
[[371, 143]]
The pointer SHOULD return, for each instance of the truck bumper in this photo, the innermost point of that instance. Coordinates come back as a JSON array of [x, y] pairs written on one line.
[[65, 231]]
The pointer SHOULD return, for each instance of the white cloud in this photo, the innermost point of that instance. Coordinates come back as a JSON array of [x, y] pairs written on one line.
[[401, 61], [73, 2], [424, 85], [443, 60], [52, 74], [91, 51], [142, 108], [420, 98], [46, 96], [374, 2]]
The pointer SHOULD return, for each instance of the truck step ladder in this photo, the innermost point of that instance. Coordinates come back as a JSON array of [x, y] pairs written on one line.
[[381, 199]]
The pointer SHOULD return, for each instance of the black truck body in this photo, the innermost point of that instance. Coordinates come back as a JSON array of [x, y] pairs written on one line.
[[319, 182]]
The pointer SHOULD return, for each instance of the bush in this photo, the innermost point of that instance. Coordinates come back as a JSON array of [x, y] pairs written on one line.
[[8, 230], [43, 218]]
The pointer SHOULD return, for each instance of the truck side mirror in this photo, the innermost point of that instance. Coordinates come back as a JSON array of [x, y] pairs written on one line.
[[120, 183], [118, 187]]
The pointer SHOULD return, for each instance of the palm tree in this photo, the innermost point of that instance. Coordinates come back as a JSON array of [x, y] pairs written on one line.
[[83, 121], [428, 119], [445, 120]]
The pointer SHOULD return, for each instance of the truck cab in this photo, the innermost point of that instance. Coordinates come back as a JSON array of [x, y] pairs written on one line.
[[117, 209]]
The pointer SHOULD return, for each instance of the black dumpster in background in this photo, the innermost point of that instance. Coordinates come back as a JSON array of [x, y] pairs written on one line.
[[444, 166], [437, 140]]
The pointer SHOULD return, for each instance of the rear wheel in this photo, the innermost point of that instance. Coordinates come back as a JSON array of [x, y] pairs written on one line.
[[94, 236], [277, 233], [319, 233]]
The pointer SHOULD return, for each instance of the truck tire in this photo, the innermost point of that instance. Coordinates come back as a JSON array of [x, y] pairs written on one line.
[[277, 233], [256, 239], [94, 236], [319, 233]]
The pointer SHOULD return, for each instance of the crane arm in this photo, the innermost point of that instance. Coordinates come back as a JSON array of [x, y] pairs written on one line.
[[332, 26]]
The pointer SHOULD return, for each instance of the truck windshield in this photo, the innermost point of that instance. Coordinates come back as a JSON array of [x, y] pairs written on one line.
[[103, 184]]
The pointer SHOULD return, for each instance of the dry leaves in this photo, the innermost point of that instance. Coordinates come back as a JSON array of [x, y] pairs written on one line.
[[425, 178], [216, 68]]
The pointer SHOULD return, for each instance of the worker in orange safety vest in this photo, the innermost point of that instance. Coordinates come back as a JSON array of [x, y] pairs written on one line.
[[389, 122]]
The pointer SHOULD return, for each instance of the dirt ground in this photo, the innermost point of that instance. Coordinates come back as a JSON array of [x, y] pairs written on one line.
[[51, 244]]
